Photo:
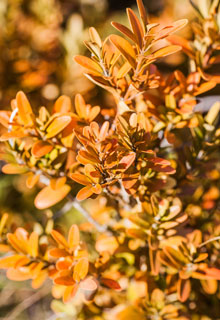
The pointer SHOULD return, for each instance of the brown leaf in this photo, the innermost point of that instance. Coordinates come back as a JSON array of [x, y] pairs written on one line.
[[110, 283], [136, 27]]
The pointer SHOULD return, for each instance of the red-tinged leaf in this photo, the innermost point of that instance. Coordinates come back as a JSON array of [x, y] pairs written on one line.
[[91, 66], [124, 30], [163, 52], [13, 135], [81, 269], [127, 161], [57, 125], [84, 193], [64, 281], [162, 162], [59, 239], [125, 48], [70, 293], [73, 237], [110, 283], [41, 148], [89, 284], [24, 109], [142, 12], [32, 180], [183, 289], [62, 105], [12, 168], [18, 275], [80, 178], [58, 253], [10, 262], [136, 27], [48, 197]]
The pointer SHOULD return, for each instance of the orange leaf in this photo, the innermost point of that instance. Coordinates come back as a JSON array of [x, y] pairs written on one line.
[[24, 109], [64, 264], [48, 197], [41, 148], [56, 184], [13, 135], [80, 106], [125, 48], [70, 292], [57, 125], [163, 52], [89, 64], [11, 261], [183, 289], [12, 168], [58, 253], [84, 193], [62, 105], [73, 237], [185, 44], [81, 269], [80, 178], [64, 281], [109, 244], [59, 238], [32, 180], [18, 275], [33, 244]]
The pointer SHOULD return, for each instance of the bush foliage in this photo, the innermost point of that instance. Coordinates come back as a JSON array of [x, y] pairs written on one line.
[[149, 162]]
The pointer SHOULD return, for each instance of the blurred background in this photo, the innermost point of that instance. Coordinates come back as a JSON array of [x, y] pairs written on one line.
[[38, 39]]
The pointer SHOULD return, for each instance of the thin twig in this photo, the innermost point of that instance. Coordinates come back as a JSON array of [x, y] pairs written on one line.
[[210, 240], [25, 304], [78, 206]]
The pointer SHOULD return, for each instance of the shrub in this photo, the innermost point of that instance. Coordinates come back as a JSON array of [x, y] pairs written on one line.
[[151, 165]]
